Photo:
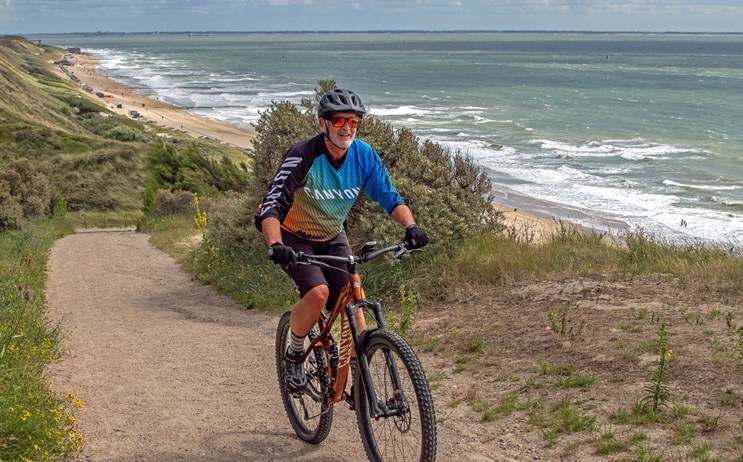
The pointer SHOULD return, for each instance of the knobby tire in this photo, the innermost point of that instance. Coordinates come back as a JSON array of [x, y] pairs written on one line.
[[411, 436], [310, 416]]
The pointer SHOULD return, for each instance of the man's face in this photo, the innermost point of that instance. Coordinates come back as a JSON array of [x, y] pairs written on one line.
[[342, 136]]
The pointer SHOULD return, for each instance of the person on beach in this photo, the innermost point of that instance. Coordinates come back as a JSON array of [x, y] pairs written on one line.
[[306, 207]]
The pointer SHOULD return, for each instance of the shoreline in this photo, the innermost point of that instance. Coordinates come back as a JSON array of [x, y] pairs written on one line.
[[122, 99], [530, 223], [559, 214]]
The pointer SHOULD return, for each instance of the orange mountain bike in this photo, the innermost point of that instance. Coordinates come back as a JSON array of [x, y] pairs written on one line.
[[390, 393]]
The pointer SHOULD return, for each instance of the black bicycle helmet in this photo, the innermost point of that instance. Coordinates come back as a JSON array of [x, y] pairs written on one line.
[[340, 100]]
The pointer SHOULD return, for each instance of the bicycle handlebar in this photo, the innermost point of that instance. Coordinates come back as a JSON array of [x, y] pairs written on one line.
[[400, 250]]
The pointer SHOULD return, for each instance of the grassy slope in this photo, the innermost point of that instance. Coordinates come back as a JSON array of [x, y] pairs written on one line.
[[70, 137], [28, 87], [61, 131]]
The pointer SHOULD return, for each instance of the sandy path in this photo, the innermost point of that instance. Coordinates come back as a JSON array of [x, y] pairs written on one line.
[[168, 369]]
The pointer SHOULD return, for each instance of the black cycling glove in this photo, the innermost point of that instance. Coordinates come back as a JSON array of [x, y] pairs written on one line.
[[281, 254], [415, 237]]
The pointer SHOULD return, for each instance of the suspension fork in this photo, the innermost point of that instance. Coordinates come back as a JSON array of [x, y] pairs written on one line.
[[360, 343]]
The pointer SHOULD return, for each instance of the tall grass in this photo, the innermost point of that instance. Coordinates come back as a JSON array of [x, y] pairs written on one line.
[[35, 423], [502, 259], [463, 269], [699, 265]]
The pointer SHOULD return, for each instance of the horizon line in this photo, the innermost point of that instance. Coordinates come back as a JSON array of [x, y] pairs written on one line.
[[383, 31]]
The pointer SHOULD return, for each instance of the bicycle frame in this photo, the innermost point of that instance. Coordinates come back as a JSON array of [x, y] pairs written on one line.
[[351, 299]]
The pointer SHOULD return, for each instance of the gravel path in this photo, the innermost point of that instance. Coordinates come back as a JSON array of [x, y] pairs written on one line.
[[170, 370]]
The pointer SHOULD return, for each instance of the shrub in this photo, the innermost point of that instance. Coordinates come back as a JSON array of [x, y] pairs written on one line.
[[123, 133], [11, 211], [24, 193], [189, 170], [173, 201], [231, 227]]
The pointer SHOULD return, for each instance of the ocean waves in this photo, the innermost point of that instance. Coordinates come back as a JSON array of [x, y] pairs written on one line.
[[227, 96], [638, 138], [632, 150]]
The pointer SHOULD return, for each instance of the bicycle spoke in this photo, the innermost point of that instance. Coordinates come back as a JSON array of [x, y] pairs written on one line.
[[407, 432]]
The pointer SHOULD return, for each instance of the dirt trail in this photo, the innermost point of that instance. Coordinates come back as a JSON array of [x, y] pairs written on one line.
[[171, 370]]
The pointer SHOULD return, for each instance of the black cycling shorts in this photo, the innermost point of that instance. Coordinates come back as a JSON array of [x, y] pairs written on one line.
[[307, 277]]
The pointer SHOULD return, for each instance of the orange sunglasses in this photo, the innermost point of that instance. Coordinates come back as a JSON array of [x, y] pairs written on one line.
[[338, 121]]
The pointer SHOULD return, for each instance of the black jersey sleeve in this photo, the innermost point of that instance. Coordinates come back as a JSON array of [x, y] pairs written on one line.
[[290, 176]]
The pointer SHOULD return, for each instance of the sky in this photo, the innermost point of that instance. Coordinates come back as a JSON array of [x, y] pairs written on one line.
[[25, 17]]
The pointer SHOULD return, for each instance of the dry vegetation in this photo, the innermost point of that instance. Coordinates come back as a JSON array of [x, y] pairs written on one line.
[[565, 369]]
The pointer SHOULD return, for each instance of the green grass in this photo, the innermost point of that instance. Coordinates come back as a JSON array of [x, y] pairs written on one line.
[[35, 423], [174, 234], [638, 415], [505, 406], [683, 432]]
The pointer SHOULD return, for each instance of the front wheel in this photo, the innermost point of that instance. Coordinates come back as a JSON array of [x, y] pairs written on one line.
[[311, 415], [409, 433]]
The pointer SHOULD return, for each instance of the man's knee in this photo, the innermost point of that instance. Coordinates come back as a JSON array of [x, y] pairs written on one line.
[[317, 297]]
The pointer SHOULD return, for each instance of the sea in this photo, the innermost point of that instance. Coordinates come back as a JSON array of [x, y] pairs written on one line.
[[610, 131]]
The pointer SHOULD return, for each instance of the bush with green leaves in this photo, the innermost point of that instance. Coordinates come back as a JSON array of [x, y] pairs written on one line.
[[167, 202], [124, 133], [188, 170], [25, 193]]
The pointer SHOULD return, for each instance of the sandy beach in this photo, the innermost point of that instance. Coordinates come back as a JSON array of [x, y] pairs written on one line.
[[122, 99]]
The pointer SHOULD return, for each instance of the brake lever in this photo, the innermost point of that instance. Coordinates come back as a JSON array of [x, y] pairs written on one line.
[[405, 252], [312, 261]]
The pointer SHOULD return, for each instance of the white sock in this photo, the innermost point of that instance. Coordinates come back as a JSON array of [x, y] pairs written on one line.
[[297, 343]]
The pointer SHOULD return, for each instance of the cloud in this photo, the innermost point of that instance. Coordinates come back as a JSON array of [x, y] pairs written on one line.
[[289, 2], [39, 16]]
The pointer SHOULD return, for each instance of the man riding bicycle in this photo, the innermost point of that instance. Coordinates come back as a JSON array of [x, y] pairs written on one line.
[[307, 204]]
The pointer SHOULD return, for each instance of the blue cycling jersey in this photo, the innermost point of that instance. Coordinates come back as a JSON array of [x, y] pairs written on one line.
[[311, 195]]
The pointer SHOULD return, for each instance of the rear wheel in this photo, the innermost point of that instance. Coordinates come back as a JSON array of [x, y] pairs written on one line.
[[310, 415], [409, 432]]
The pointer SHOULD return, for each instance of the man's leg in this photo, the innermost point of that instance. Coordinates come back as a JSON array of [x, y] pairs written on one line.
[[304, 315], [306, 311]]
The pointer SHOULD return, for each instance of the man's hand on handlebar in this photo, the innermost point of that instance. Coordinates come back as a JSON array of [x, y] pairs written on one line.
[[415, 237], [282, 254]]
